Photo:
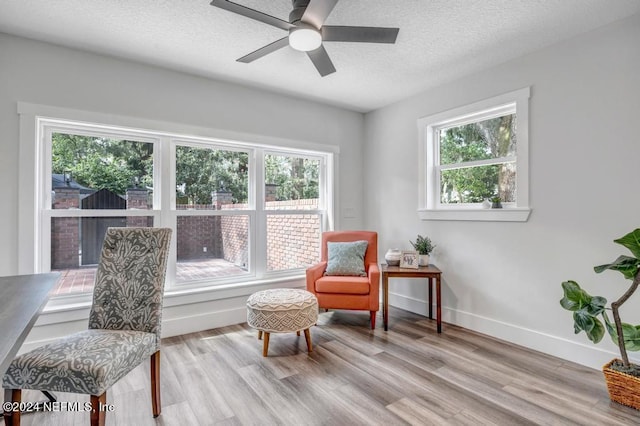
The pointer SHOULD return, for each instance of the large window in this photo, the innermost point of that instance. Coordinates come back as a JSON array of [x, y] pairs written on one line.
[[240, 212], [473, 154]]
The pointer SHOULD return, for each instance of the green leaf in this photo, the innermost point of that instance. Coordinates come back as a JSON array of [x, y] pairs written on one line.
[[574, 297], [585, 309], [596, 305], [591, 325], [631, 241], [630, 334], [626, 265]]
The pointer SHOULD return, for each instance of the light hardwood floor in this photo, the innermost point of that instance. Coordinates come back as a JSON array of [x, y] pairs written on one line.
[[408, 375]]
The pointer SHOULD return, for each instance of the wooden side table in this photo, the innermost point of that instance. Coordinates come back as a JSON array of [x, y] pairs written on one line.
[[430, 272]]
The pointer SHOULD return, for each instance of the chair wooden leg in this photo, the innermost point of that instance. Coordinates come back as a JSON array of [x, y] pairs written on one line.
[[373, 319], [298, 333], [12, 418], [265, 347], [97, 413], [259, 334], [155, 384], [307, 336]]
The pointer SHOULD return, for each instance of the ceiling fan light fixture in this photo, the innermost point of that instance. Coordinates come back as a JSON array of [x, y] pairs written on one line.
[[305, 38]]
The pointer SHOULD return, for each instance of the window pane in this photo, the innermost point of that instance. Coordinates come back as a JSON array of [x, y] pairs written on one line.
[[208, 178], [212, 247], [291, 183], [91, 172], [76, 244], [494, 138], [293, 241], [474, 184]]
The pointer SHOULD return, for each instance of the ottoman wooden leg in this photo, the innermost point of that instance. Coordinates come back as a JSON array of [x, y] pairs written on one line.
[[265, 347], [259, 334], [298, 333], [307, 336]]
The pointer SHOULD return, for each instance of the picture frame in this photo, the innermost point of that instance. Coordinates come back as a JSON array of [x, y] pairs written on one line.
[[409, 259]]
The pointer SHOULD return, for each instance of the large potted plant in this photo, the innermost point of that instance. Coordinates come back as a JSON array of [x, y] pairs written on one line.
[[424, 247], [622, 376]]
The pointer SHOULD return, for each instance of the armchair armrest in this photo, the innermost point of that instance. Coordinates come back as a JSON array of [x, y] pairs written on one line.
[[313, 274], [374, 282]]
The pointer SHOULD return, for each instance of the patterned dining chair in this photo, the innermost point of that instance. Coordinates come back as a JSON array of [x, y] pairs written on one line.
[[124, 327]]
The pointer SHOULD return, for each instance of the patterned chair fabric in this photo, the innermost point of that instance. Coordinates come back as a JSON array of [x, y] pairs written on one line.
[[88, 362], [124, 322], [131, 255]]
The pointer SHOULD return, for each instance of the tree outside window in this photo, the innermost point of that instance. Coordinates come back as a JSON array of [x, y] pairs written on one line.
[[469, 151]]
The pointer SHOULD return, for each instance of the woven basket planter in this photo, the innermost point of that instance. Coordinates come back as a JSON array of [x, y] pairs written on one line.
[[623, 388]]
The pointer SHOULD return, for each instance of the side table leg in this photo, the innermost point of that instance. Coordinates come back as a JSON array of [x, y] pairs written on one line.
[[430, 280], [438, 304], [385, 300]]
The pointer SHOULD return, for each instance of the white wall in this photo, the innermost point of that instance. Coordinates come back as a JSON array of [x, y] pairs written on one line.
[[502, 278], [45, 74]]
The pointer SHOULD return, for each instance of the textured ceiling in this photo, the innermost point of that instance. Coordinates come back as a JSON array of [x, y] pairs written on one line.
[[439, 40]]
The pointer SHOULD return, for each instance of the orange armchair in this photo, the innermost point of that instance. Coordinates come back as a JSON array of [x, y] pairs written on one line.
[[348, 292]]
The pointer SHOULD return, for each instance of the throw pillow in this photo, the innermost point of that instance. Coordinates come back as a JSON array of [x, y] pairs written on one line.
[[346, 258]]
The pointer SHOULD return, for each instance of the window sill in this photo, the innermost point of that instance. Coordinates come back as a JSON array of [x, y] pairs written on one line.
[[76, 306], [477, 215]]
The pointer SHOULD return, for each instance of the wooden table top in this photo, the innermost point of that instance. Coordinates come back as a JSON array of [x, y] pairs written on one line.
[[22, 297], [431, 269]]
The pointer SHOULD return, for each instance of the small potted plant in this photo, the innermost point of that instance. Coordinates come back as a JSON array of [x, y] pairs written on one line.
[[622, 377], [496, 203], [424, 247]]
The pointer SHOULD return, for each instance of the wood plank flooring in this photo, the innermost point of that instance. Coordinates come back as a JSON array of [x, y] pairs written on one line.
[[355, 376]]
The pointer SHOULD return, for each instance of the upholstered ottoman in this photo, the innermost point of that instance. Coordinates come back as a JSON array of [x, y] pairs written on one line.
[[282, 310]]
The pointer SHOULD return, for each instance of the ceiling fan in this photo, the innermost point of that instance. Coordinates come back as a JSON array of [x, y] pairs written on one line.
[[307, 32]]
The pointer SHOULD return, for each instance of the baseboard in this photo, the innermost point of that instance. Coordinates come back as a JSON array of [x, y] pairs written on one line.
[[204, 321], [587, 355]]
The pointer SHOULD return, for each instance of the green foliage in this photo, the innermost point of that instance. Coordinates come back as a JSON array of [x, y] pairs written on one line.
[[423, 245], [627, 266], [483, 140], [296, 178], [630, 334], [201, 171], [103, 163], [116, 165], [631, 241], [587, 308]]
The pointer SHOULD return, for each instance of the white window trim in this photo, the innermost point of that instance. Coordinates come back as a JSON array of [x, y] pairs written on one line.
[[30, 176], [429, 207]]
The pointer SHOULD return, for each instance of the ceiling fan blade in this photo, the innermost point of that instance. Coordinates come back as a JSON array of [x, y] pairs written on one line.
[[321, 60], [359, 34], [317, 11], [253, 14], [263, 51]]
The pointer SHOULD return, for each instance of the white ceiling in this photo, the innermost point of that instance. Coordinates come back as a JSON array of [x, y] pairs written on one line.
[[439, 40]]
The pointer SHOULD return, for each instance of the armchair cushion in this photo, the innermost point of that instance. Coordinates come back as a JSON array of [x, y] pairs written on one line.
[[343, 285], [346, 258]]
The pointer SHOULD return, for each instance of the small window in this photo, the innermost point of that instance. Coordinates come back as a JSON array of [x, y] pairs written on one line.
[[473, 154]]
